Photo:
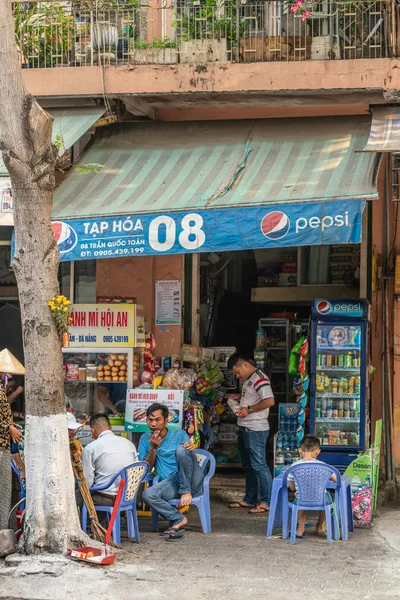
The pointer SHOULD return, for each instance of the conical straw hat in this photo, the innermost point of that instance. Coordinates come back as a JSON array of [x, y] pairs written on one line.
[[9, 364]]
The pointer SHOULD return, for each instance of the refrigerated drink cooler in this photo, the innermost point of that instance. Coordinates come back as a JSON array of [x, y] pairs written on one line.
[[338, 383]]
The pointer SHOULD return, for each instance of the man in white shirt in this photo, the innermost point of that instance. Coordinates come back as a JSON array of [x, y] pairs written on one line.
[[104, 457], [252, 411]]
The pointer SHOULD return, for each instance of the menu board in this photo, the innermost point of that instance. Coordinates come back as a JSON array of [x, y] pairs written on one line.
[[138, 400]]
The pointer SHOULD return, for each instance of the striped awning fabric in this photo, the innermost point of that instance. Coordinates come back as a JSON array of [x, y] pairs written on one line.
[[384, 135], [70, 124], [159, 167]]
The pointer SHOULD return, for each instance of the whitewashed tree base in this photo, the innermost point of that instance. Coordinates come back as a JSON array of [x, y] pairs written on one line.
[[51, 518]]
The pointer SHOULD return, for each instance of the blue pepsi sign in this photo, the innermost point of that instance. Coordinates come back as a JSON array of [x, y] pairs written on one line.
[[211, 230], [351, 309]]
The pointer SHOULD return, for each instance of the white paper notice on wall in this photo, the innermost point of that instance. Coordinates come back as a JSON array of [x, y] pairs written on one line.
[[6, 202], [168, 301]]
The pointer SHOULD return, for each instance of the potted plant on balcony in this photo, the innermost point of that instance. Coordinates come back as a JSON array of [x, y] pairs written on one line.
[[159, 52], [111, 24], [263, 41], [204, 31], [44, 34]]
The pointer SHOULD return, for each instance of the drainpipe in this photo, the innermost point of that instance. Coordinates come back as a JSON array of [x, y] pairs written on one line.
[[387, 389]]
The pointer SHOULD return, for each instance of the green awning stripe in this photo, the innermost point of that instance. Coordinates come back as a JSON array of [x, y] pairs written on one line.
[[70, 124], [155, 167]]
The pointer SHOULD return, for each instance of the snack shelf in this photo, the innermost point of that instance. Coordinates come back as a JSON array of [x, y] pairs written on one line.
[[337, 420], [331, 395], [347, 369], [338, 348]]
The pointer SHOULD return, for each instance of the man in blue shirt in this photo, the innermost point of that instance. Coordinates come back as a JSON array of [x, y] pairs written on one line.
[[171, 452]]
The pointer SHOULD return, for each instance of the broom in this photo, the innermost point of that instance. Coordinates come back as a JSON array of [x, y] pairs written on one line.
[[98, 531]]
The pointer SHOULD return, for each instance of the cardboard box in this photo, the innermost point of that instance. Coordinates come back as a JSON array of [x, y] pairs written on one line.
[[228, 428], [227, 437], [287, 279], [195, 354]]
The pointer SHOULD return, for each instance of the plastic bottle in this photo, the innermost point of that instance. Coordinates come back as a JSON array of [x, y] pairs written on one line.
[[357, 337], [260, 339]]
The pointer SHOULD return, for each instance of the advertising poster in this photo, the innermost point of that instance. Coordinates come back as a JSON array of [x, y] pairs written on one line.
[[360, 473], [168, 302], [138, 400]]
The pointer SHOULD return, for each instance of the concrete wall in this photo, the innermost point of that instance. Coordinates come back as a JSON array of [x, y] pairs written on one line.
[[381, 74], [136, 277]]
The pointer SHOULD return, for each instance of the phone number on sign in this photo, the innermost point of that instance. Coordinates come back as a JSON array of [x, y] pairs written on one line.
[[118, 339]]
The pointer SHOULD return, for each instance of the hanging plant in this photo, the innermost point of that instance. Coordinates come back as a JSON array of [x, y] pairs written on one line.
[[59, 307]]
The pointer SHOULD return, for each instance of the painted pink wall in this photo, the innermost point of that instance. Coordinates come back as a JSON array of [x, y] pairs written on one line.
[[136, 277], [382, 74]]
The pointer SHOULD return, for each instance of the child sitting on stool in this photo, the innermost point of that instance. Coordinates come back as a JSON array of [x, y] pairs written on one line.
[[309, 450]]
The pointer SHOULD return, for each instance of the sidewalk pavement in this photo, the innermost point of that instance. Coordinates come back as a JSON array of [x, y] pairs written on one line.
[[235, 562]]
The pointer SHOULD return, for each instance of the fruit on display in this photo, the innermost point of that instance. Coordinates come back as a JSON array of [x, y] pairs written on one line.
[[209, 378]]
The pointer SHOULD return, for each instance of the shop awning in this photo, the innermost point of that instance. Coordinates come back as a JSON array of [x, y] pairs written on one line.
[[158, 167], [217, 186], [70, 124], [384, 135]]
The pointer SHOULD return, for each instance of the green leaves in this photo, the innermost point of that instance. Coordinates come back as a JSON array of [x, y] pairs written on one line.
[[88, 168]]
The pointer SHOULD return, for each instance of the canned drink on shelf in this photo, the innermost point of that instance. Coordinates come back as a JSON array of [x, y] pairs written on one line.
[[340, 413], [340, 361], [317, 413], [345, 386], [346, 405], [346, 414], [319, 360], [353, 404], [348, 360], [329, 360]]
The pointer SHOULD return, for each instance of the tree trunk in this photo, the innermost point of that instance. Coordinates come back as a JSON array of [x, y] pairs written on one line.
[[51, 523]]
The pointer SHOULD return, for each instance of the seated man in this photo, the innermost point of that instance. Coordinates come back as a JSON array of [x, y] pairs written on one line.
[[171, 452], [104, 457]]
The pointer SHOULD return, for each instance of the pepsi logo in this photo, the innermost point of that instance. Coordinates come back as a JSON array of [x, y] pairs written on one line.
[[275, 225], [65, 236], [324, 307]]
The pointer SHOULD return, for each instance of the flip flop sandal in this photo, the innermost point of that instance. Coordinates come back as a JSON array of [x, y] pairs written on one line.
[[301, 537], [258, 510], [174, 537], [171, 529], [239, 506]]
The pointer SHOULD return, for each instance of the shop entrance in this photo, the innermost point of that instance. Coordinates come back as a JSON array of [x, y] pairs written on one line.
[[272, 288]]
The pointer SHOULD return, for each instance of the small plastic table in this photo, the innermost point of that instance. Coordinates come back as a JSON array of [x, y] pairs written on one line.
[[343, 502]]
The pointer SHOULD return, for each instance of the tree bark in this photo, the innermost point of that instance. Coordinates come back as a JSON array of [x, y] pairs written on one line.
[[51, 523]]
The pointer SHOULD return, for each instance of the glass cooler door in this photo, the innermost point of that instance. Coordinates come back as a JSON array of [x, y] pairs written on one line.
[[338, 385]]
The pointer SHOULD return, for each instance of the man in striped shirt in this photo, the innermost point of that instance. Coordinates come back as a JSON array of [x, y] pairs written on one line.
[[253, 410]]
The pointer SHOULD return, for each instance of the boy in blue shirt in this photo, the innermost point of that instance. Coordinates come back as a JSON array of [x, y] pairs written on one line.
[[171, 452]]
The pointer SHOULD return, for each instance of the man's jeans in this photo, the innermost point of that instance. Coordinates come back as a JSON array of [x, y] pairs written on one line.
[[253, 448], [188, 479]]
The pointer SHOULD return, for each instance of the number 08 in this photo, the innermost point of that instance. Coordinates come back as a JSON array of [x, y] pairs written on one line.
[[192, 236]]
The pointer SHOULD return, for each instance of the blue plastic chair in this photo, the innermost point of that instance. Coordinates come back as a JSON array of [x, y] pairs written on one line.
[[311, 481], [22, 488], [207, 464], [133, 476]]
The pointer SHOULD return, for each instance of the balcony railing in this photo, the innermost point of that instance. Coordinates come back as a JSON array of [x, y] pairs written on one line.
[[108, 33]]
